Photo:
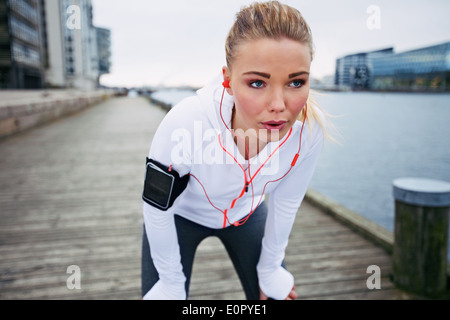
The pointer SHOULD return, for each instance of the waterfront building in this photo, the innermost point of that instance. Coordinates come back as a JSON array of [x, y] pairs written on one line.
[[104, 50], [51, 43], [71, 44], [353, 71], [424, 69], [21, 50]]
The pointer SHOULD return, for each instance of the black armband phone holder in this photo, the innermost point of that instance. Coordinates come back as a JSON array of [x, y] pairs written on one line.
[[162, 185]]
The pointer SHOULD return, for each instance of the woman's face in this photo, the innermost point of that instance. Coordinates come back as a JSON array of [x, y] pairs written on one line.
[[269, 80]]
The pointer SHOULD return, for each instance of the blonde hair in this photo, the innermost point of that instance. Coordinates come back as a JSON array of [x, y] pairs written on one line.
[[274, 20]]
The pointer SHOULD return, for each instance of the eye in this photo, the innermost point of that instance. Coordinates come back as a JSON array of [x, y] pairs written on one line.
[[257, 84], [297, 83]]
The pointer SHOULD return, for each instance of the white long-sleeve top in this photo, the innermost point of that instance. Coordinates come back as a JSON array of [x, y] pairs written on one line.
[[188, 139]]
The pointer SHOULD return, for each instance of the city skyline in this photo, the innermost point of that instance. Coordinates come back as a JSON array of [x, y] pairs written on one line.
[[177, 43]]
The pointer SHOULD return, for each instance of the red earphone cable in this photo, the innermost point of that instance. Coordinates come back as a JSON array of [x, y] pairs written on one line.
[[249, 181], [244, 220]]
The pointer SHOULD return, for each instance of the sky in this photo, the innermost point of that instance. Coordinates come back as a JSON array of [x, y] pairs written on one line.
[[182, 42]]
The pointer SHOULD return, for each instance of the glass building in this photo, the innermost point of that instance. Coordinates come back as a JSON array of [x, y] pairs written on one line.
[[51, 44], [425, 69], [104, 50], [20, 45], [354, 71]]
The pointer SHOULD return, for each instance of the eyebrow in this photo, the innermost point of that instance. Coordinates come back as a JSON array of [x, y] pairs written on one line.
[[296, 74], [266, 75], [262, 74]]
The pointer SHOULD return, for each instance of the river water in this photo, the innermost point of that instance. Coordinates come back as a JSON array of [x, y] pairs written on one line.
[[383, 136]]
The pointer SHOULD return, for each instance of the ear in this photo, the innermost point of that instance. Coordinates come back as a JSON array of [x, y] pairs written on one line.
[[227, 77]]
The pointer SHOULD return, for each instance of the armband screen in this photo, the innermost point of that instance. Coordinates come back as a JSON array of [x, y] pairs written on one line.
[[162, 186]]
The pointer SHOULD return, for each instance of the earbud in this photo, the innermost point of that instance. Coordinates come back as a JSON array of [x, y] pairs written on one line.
[[226, 84]]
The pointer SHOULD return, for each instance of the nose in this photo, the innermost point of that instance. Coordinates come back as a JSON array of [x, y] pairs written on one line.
[[276, 101]]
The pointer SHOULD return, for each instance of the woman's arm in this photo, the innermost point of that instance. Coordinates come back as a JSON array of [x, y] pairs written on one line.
[[160, 225], [165, 253], [274, 280]]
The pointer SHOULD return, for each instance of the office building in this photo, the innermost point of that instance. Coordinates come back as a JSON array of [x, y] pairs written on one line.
[[51, 44], [424, 69], [71, 44], [104, 50], [21, 50], [354, 71]]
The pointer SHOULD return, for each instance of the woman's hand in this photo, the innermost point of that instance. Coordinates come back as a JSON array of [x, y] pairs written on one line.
[[292, 295]]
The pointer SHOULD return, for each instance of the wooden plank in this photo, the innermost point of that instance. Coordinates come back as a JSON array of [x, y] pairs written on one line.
[[70, 195]]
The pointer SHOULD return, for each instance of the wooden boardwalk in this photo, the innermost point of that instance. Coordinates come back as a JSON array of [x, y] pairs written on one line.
[[70, 195]]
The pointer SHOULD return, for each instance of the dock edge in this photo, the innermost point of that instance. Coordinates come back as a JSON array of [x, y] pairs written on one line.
[[370, 230]]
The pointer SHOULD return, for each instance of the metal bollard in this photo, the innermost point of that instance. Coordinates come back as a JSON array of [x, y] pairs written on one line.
[[421, 235]]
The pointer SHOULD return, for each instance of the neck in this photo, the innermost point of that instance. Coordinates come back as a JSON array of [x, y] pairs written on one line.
[[247, 140]]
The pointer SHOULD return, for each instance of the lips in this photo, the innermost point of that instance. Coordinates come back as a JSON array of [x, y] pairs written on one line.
[[274, 125]]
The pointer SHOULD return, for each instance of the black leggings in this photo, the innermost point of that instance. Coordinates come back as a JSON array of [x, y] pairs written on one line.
[[242, 243]]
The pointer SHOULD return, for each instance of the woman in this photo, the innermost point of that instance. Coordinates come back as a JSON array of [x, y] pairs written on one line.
[[251, 132]]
